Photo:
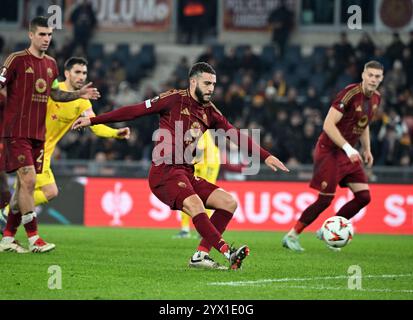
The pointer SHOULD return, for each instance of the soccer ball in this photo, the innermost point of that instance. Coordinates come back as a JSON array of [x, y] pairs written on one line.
[[337, 231]]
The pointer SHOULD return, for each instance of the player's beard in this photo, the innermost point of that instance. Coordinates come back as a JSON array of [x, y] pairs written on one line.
[[200, 95], [77, 86], [44, 48]]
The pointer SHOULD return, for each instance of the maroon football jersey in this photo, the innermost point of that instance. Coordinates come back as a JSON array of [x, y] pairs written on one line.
[[2, 106], [29, 81], [357, 110], [180, 115]]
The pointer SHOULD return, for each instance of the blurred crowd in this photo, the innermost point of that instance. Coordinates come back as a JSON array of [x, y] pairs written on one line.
[[287, 97]]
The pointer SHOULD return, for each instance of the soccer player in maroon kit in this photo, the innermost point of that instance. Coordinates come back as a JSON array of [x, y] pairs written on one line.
[[4, 189], [336, 161], [30, 77], [173, 181]]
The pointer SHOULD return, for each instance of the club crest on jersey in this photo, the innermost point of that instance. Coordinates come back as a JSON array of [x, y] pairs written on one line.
[[182, 184], [49, 72], [21, 158], [195, 130], [363, 121], [40, 85]]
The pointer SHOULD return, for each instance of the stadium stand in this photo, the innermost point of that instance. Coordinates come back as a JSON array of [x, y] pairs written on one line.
[[255, 89]]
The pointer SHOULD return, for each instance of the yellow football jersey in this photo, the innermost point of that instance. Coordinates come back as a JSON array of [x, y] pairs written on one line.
[[210, 155], [207, 167], [59, 118]]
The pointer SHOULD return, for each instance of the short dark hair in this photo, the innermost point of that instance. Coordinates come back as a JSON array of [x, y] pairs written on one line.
[[200, 67], [374, 65], [40, 21], [74, 60]]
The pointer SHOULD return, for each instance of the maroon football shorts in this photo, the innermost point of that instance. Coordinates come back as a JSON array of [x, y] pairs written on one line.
[[332, 167], [23, 152], [172, 184]]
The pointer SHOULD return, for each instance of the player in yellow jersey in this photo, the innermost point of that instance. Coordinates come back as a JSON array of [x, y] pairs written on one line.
[[206, 167], [59, 119]]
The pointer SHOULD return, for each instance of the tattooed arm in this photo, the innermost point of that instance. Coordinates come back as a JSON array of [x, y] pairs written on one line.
[[64, 96], [86, 92]]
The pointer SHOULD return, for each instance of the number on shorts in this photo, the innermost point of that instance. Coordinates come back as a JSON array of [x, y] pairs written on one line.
[[40, 157]]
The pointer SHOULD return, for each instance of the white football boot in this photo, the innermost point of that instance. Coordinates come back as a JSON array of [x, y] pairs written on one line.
[[202, 260], [41, 246], [291, 242], [11, 246]]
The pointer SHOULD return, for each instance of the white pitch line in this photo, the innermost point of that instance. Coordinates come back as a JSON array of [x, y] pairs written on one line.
[[265, 281], [343, 289]]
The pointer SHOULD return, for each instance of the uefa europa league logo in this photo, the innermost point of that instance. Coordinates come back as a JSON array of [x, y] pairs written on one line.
[[117, 204]]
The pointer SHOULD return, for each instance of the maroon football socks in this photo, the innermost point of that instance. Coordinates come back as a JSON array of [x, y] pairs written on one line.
[[220, 219], [351, 208], [13, 222], [209, 232], [30, 224], [312, 212]]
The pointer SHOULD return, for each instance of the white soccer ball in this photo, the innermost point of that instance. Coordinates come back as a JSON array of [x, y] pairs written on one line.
[[337, 231]]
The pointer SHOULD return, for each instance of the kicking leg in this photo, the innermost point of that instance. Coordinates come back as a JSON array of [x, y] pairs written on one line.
[[361, 199], [225, 206], [309, 215]]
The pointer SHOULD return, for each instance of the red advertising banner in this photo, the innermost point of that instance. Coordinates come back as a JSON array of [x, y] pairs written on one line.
[[261, 206], [128, 15]]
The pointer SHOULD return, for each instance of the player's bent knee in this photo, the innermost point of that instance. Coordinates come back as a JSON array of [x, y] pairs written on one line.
[[223, 200], [230, 204], [28, 184], [54, 194], [193, 206], [27, 180], [51, 193]]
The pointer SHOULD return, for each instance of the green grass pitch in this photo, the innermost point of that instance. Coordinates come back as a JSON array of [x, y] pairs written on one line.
[[115, 263]]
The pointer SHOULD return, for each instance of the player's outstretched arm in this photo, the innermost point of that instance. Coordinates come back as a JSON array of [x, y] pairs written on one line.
[[123, 133], [275, 163], [89, 92], [80, 123], [103, 131], [86, 92], [131, 112]]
